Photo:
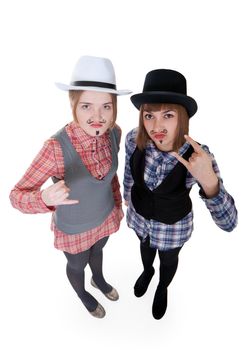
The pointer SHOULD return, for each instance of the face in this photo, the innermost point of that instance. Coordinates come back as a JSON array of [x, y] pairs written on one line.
[[161, 127], [94, 112]]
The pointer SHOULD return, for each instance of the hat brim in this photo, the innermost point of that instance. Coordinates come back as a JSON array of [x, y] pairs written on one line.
[[65, 87], [165, 97]]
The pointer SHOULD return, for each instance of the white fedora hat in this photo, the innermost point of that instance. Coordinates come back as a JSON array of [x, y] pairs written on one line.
[[95, 74]]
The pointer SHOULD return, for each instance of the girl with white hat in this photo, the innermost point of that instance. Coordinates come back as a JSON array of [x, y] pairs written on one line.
[[160, 170], [81, 158]]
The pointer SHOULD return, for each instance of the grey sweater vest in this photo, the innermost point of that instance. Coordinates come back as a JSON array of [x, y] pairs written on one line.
[[95, 196]]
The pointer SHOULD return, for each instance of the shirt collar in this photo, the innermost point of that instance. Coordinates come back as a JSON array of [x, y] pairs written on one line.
[[165, 156]]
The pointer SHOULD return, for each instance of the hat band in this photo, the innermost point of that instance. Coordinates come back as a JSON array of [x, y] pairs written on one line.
[[93, 83]]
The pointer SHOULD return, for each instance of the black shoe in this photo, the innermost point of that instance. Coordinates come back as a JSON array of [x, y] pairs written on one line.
[[143, 282], [159, 305]]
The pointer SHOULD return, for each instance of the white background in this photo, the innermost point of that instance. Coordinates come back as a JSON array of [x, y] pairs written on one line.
[[40, 43]]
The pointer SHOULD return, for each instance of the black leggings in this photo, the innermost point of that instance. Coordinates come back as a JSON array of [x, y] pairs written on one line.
[[168, 261], [76, 264]]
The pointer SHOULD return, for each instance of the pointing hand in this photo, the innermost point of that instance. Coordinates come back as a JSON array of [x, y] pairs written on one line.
[[200, 166]]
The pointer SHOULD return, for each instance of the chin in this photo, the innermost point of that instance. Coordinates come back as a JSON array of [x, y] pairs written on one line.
[[98, 132], [164, 146]]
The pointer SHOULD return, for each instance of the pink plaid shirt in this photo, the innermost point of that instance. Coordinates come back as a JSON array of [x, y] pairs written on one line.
[[95, 153]]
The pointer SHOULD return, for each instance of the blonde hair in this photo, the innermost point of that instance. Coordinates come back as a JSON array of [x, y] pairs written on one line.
[[182, 125], [74, 96]]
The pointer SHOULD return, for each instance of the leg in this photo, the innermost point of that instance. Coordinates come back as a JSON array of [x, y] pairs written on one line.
[[147, 255], [95, 262], [76, 264], [168, 267]]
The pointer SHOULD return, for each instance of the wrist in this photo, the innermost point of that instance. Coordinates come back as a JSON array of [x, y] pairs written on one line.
[[211, 189], [43, 205]]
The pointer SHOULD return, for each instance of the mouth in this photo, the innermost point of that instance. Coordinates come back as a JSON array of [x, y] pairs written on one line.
[[96, 125], [159, 136]]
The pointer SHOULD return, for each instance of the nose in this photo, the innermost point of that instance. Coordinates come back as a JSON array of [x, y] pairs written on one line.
[[97, 114], [156, 124]]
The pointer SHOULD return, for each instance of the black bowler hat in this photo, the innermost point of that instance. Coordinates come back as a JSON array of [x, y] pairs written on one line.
[[165, 86]]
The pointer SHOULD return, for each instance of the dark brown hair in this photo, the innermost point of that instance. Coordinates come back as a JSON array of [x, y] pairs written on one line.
[[182, 125], [74, 96]]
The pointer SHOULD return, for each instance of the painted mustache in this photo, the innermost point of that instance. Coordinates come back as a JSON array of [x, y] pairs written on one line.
[[159, 136], [164, 131], [102, 121]]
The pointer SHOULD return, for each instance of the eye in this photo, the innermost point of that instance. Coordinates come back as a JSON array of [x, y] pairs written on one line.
[[107, 107], [148, 116], [85, 107], [168, 115]]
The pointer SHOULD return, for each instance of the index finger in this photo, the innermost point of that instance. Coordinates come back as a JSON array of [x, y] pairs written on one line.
[[193, 143]]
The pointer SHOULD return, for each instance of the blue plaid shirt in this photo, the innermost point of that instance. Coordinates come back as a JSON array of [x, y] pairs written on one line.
[[157, 166]]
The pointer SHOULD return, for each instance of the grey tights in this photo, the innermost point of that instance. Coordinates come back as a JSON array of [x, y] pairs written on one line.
[[76, 264]]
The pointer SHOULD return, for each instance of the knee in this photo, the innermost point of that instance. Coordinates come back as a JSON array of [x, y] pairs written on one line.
[[75, 268], [76, 263]]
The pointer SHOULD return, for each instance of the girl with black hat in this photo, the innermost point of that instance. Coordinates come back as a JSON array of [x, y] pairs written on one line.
[[81, 159], [162, 165]]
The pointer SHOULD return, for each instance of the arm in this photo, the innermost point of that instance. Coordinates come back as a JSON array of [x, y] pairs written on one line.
[[222, 206], [219, 202], [222, 209], [27, 195]]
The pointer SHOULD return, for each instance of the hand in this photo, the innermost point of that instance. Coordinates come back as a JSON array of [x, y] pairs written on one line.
[[57, 194], [200, 166], [126, 203]]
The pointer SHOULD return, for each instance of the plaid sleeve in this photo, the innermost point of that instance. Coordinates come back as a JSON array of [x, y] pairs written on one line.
[[223, 210], [26, 195], [222, 207]]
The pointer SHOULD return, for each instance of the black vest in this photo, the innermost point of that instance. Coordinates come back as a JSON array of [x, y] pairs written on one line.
[[167, 203]]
